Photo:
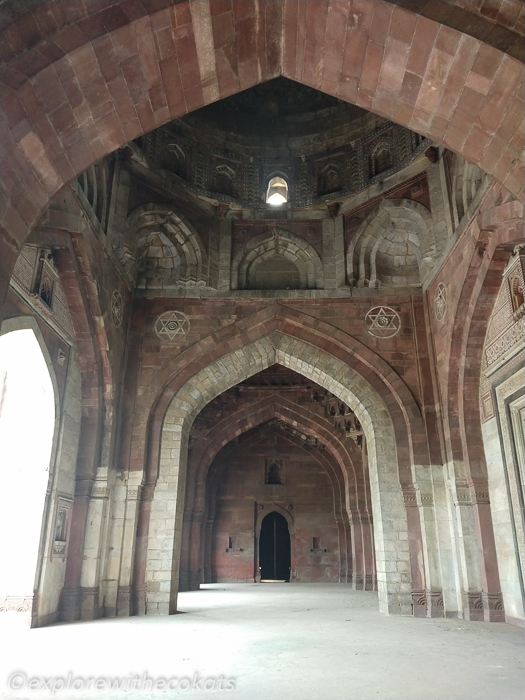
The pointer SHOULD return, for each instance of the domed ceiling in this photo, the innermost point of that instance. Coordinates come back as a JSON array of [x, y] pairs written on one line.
[[324, 148], [277, 108]]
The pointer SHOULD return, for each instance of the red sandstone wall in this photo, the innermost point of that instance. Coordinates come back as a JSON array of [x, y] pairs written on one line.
[[306, 489]]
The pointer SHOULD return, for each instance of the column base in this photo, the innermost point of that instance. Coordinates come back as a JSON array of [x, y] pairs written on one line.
[[88, 603], [124, 601], [473, 606], [493, 609], [69, 605]]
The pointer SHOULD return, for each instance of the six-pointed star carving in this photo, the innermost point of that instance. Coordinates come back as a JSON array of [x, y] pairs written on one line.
[[382, 321], [172, 324]]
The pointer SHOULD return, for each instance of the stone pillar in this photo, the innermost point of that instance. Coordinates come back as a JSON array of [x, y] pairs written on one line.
[[70, 597], [225, 255], [358, 559], [129, 538], [466, 544], [139, 516], [94, 541], [419, 600], [207, 574], [370, 582], [448, 555], [433, 583], [333, 253], [195, 574], [492, 599], [185, 556]]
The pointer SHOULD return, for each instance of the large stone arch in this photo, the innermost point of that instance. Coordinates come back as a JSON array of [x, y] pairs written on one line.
[[74, 96], [500, 229], [84, 562], [341, 517], [165, 525], [143, 438], [405, 412]]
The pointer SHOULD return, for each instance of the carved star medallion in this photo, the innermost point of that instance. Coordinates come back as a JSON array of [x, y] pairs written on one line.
[[171, 325], [382, 322]]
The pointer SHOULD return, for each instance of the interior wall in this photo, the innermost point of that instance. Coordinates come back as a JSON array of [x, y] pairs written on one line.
[[244, 499]]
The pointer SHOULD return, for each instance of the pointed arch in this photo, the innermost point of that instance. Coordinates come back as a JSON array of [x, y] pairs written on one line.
[[395, 592], [344, 468], [277, 242]]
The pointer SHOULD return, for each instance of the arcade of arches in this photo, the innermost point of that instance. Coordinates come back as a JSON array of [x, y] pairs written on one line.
[[330, 389]]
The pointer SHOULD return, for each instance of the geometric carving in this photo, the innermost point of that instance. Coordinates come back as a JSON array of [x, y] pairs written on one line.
[[410, 498], [20, 604], [33, 266], [481, 496], [513, 336], [224, 181], [463, 496], [61, 530], [419, 603], [380, 158], [436, 605], [487, 407], [427, 499], [440, 301], [473, 605], [329, 180], [116, 308], [171, 326], [382, 322], [178, 160]]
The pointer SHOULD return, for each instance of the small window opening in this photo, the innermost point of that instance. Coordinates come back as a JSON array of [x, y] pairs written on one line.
[[274, 472], [315, 543], [277, 191]]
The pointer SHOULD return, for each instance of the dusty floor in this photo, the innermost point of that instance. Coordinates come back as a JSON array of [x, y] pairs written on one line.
[[272, 642]]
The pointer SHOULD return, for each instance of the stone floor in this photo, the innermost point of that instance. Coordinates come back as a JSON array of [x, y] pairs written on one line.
[[278, 642]]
